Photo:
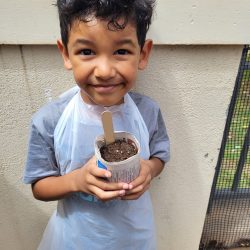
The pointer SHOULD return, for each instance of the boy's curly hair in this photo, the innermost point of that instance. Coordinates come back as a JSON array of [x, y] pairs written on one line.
[[139, 12]]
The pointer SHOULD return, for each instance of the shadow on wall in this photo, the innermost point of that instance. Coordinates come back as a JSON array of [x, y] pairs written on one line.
[[21, 220]]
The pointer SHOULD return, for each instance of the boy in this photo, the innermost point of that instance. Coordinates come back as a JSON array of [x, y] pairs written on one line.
[[103, 43]]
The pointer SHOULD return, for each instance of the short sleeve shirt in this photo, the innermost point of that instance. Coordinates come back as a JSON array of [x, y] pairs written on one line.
[[41, 160]]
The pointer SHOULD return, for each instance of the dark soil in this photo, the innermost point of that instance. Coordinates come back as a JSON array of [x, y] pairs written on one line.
[[119, 150]]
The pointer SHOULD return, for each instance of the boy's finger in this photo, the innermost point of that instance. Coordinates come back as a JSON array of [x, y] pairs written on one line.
[[135, 190], [132, 196], [105, 185], [137, 182], [107, 195], [110, 186], [99, 172]]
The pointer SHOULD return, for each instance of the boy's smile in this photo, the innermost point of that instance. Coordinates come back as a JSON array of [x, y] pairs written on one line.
[[104, 62]]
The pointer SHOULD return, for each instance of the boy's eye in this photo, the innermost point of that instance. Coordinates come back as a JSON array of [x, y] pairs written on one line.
[[122, 52], [86, 52]]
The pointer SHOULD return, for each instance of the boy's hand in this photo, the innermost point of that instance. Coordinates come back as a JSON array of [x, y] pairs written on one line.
[[141, 183], [92, 180], [149, 169]]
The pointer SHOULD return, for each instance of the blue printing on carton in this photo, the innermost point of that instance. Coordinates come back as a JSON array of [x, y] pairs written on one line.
[[101, 165]]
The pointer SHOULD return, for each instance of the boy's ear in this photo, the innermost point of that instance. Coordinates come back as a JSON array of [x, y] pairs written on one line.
[[145, 52], [65, 55]]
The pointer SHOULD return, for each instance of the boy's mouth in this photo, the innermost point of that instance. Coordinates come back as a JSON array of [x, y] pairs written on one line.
[[106, 88]]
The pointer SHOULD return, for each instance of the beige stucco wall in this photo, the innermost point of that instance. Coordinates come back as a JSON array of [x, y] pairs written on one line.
[[192, 84], [175, 22]]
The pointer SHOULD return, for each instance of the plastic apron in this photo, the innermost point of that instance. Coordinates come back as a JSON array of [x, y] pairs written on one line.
[[81, 221]]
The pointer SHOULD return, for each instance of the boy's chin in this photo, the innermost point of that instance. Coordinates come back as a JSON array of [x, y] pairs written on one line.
[[108, 103], [103, 100]]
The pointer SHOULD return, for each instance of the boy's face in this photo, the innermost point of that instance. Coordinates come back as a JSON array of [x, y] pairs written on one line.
[[104, 62]]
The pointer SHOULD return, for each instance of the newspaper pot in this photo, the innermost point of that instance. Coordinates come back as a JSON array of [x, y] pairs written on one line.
[[122, 171]]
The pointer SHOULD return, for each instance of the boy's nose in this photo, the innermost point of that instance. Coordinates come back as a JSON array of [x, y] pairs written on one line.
[[104, 69]]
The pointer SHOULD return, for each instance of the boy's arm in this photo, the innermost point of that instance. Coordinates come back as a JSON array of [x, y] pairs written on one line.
[[149, 169], [89, 179], [156, 166]]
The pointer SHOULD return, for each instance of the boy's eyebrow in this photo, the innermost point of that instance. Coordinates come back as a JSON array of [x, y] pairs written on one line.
[[126, 41], [82, 41]]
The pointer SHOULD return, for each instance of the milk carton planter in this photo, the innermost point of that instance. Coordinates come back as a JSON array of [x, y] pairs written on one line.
[[125, 170]]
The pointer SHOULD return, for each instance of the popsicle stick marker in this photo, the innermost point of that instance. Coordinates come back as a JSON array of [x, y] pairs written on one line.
[[108, 129]]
